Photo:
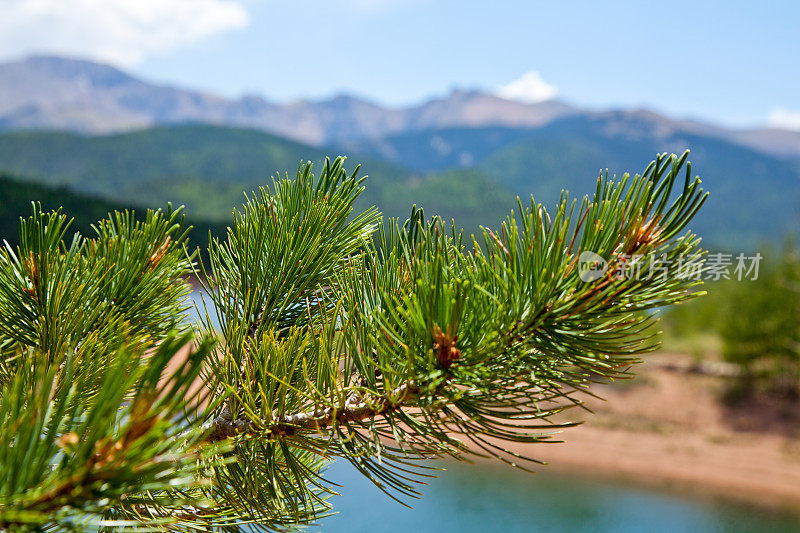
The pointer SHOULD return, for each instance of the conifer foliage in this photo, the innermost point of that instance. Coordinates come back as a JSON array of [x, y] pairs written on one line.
[[324, 335]]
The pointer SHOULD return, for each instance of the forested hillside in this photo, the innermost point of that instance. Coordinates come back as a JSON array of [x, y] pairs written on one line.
[[754, 196], [85, 210], [210, 168], [470, 174]]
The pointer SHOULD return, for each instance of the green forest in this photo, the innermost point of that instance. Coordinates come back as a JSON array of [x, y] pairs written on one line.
[[207, 168]]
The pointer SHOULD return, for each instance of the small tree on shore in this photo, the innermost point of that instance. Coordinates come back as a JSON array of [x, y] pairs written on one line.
[[329, 335], [760, 330]]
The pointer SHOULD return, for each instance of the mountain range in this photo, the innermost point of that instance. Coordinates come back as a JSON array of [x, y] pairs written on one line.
[[100, 131], [50, 92], [46, 92]]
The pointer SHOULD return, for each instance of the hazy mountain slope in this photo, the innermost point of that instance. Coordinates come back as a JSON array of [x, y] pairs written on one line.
[[60, 93], [68, 94], [754, 197], [76, 95], [781, 143], [466, 196], [432, 149], [477, 109], [440, 149], [199, 151], [210, 168], [204, 166]]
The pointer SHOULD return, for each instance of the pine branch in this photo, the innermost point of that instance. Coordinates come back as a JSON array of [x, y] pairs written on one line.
[[224, 426], [492, 341], [332, 344]]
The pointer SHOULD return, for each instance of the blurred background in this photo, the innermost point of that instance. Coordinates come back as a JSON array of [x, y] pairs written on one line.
[[461, 107]]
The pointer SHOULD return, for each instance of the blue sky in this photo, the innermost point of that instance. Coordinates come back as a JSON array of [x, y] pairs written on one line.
[[732, 62]]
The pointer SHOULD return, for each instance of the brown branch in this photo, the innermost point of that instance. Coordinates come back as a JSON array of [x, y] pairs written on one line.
[[225, 426]]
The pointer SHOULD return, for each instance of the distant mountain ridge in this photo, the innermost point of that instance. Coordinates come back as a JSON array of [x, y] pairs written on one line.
[[46, 92], [56, 93], [468, 155]]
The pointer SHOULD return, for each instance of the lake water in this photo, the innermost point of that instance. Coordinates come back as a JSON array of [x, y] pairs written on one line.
[[488, 498], [482, 498]]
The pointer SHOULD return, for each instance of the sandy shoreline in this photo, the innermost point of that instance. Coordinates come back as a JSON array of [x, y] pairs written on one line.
[[667, 428]]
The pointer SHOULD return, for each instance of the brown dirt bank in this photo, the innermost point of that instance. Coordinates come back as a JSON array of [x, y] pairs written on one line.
[[667, 427]]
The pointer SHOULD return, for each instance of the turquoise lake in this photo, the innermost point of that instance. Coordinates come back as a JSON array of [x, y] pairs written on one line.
[[482, 498]]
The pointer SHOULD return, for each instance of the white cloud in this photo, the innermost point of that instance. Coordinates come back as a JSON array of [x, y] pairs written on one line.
[[120, 31], [529, 88], [784, 119]]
